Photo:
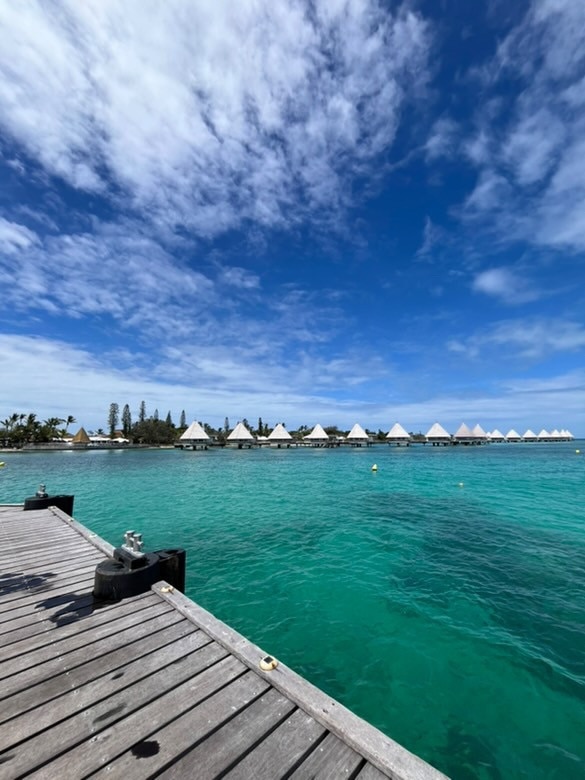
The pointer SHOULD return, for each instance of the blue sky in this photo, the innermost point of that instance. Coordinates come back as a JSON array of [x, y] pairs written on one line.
[[328, 211]]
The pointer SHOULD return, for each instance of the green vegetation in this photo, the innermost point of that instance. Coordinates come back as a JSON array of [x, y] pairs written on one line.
[[19, 429]]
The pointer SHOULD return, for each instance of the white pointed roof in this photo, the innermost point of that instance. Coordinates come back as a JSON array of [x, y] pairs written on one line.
[[496, 434], [478, 432], [317, 434], [357, 432], [463, 432], [194, 432], [529, 434], [397, 432], [512, 434], [240, 433], [279, 434], [437, 431], [555, 434], [569, 434], [544, 434]]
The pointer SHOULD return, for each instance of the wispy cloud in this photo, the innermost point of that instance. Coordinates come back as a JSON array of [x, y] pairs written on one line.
[[15, 237], [530, 339], [98, 381], [210, 114], [531, 153], [506, 285]]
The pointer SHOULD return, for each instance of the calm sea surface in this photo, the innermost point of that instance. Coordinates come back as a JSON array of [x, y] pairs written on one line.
[[441, 598]]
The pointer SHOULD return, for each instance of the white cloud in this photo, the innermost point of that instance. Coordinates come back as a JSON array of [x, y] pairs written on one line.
[[530, 152], [15, 237], [94, 383], [506, 285], [207, 114], [530, 339], [442, 139]]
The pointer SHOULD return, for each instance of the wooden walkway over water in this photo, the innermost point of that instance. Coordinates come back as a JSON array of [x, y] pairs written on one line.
[[152, 686]]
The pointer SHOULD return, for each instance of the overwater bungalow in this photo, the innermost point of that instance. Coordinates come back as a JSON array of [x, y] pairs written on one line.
[[398, 435], [544, 435], [194, 438], [464, 435], [513, 436], [241, 438], [357, 437], [496, 436], [317, 437], [529, 435], [479, 433], [437, 435], [279, 437]]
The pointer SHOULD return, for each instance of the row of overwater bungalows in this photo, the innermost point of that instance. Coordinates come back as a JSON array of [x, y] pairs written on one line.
[[195, 437]]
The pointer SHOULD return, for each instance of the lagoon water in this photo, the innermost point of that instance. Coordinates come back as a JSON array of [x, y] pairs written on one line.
[[449, 615]]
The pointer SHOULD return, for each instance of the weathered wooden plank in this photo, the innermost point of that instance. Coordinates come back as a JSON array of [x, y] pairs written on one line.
[[217, 752], [17, 600], [103, 687], [384, 753], [98, 618], [60, 649], [191, 728], [58, 598], [46, 620], [117, 663], [63, 595], [370, 772], [331, 759], [54, 565], [60, 555], [283, 748], [156, 707]]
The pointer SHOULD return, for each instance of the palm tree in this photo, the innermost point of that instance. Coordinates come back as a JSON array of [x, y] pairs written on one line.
[[69, 421]]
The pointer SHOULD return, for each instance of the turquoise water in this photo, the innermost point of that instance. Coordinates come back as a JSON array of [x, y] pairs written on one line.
[[450, 616]]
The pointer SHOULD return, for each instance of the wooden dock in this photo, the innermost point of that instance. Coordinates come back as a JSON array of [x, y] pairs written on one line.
[[153, 685]]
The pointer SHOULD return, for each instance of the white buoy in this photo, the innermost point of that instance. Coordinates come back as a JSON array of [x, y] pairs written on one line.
[[375, 467], [461, 484]]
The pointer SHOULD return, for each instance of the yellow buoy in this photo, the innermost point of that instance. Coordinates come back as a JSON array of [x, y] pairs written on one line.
[[2, 464], [375, 467], [461, 484], [577, 451]]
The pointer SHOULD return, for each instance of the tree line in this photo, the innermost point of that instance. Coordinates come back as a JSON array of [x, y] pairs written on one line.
[[20, 428]]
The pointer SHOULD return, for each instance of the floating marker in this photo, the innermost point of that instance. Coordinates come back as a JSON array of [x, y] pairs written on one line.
[[578, 452], [461, 484], [375, 467]]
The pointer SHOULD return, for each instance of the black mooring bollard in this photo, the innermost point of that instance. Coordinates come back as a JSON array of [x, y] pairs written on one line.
[[131, 571], [41, 500]]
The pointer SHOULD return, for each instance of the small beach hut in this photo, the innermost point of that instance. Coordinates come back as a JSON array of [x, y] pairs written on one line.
[[357, 436], [530, 436], [544, 435], [398, 435], [497, 435], [240, 437], [556, 435], [279, 437], [317, 437], [194, 438], [81, 439], [437, 435], [513, 436]]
